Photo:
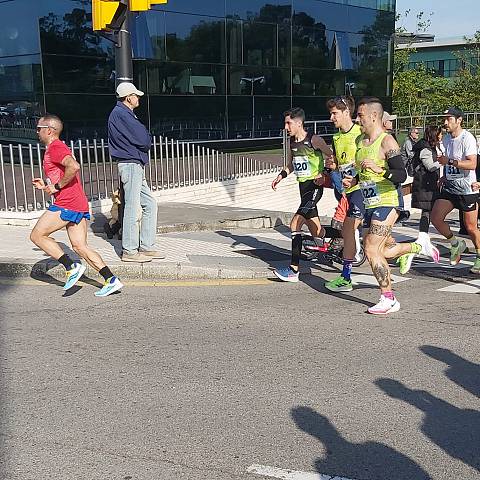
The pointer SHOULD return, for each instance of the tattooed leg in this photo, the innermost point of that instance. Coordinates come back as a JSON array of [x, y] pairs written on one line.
[[380, 229], [377, 242], [382, 274]]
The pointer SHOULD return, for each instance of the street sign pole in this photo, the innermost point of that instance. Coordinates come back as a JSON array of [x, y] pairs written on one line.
[[123, 51]]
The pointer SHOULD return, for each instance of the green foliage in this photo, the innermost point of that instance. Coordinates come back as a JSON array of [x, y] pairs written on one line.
[[419, 92]]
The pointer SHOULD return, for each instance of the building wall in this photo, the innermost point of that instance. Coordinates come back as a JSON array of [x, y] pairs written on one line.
[[445, 61], [190, 59], [248, 192]]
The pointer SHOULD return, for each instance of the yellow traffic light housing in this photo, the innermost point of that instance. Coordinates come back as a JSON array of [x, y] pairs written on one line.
[[144, 5], [107, 14]]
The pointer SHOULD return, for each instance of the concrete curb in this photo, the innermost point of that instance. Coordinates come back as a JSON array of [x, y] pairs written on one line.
[[48, 269], [254, 223]]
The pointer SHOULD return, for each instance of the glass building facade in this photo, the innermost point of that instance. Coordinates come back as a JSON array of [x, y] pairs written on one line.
[[210, 68]]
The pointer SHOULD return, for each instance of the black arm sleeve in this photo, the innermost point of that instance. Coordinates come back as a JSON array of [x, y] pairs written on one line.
[[396, 172]]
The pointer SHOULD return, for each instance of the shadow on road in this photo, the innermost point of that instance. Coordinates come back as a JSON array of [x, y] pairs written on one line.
[[460, 371], [372, 460], [264, 251], [455, 430]]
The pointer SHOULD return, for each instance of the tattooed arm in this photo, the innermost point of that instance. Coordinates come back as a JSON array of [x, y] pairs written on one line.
[[395, 172]]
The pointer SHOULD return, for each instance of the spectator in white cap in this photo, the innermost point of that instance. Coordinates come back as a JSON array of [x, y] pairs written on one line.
[[129, 143], [388, 120]]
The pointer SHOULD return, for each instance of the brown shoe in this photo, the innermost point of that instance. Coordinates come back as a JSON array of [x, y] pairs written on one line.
[[135, 257], [153, 254]]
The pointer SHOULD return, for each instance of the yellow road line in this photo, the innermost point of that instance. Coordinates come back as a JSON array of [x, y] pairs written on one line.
[[154, 283]]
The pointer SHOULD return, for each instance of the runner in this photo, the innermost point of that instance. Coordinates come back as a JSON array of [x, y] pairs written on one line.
[[306, 160], [70, 209], [344, 148], [379, 168], [457, 186]]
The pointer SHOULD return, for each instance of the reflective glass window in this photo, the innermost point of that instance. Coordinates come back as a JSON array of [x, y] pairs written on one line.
[[214, 8], [193, 117], [266, 81], [314, 13], [310, 47], [194, 38], [20, 77], [69, 31], [268, 119], [72, 74], [271, 11], [173, 78], [19, 31], [84, 115], [155, 24], [318, 82], [260, 44]]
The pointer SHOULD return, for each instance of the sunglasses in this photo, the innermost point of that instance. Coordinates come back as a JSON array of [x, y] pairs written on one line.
[[39, 127]]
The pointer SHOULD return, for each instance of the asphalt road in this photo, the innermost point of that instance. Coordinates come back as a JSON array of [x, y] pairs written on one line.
[[202, 381]]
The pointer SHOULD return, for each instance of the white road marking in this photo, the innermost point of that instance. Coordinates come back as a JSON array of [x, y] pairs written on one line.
[[460, 288], [284, 474], [371, 280]]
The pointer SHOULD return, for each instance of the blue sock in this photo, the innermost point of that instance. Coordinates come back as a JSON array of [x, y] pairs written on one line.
[[347, 269]]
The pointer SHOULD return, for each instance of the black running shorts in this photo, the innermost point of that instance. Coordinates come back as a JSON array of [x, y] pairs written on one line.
[[464, 203], [310, 194]]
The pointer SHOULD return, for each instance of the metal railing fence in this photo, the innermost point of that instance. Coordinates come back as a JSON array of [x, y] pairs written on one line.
[[471, 122], [172, 164]]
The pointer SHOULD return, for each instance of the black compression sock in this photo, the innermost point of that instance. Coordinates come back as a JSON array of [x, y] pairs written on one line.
[[66, 261], [331, 232], [296, 248], [106, 273]]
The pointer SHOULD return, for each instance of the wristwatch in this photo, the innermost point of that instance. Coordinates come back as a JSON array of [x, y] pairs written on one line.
[[57, 187], [450, 161]]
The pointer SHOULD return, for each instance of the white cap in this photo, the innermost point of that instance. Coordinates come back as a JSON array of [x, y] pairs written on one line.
[[387, 117], [127, 88]]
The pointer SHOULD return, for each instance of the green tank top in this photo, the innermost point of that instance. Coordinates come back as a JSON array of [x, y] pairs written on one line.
[[377, 191], [345, 144], [307, 162]]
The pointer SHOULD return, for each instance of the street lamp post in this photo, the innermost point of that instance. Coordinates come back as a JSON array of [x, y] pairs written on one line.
[[252, 80]]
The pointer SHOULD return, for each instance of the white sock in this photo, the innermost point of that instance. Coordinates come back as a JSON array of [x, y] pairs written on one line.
[[423, 236], [357, 241]]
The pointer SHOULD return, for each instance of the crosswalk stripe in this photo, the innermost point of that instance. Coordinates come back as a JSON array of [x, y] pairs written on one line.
[[371, 280], [460, 288], [274, 472]]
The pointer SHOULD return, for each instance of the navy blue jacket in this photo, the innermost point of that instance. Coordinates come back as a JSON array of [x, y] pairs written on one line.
[[128, 139]]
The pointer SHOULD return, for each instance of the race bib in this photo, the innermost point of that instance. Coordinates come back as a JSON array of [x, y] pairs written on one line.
[[348, 170], [370, 193], [301, 167], [453, 173]]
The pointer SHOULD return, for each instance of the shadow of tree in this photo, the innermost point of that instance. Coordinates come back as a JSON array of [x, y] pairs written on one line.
[[372, 460], [460, 371], [455, 430]]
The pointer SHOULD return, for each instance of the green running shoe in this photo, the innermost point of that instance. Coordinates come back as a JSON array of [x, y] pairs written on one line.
[[340, 284], [456, 252], [476, 266], [405, 262]]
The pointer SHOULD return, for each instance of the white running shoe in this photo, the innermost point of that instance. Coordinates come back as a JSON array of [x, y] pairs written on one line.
[[384, 306], [428, 249], [74, 275]]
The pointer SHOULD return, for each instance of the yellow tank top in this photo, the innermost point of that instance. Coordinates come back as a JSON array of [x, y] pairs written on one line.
[[345, 144], [377, 191]]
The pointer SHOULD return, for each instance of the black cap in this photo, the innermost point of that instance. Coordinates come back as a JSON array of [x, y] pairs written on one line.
[[454, 112]]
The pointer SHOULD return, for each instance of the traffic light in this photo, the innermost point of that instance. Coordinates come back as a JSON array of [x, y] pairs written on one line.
[[144, 5], [108, 14]]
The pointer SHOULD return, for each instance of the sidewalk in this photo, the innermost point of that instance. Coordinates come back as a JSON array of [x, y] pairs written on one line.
[[199, 242]]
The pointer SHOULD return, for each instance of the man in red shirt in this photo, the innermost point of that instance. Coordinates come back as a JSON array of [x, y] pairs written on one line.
[[69, 209]]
